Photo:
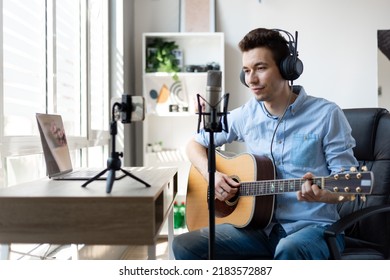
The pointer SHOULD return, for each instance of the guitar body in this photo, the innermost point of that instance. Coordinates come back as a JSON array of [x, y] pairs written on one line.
[[243, 211]]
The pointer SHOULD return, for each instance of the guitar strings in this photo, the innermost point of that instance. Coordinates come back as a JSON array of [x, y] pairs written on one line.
[[288, 185]]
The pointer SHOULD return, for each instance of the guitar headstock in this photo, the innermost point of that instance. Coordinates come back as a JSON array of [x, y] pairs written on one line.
[[350, 182]]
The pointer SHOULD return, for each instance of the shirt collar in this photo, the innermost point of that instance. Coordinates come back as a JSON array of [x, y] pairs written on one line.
[[298, 103], [294, 107]]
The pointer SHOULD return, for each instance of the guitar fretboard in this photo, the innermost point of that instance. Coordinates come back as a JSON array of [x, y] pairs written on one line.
[[275, 186], [357, 183]]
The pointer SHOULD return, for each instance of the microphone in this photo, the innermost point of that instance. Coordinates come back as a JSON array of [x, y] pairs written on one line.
[[213, 95]]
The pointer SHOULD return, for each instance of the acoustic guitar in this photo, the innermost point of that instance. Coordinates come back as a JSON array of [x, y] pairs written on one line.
[[254, 202]]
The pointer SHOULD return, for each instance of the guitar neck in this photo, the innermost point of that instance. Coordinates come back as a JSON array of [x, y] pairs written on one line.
[[275, 186]]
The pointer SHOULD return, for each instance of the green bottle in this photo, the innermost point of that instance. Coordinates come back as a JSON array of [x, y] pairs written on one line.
[[177, 217], [182, 211]]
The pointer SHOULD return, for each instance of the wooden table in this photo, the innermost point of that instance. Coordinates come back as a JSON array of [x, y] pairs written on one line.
[[63, 212]]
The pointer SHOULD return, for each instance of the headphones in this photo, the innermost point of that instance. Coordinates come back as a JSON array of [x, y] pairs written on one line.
[[291, 67]]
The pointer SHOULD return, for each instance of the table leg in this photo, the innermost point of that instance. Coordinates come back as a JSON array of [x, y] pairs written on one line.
[[152, 252], [170, 234], [74, 251], [5, 251]]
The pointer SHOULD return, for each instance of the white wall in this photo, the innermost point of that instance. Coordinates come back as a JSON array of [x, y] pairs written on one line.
[[337, 42]]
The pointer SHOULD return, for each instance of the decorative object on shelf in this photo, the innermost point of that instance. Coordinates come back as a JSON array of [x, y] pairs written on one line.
[[163, 95], [167, 95], [164, 56], [179, 97], [202, 68], [193, 10]]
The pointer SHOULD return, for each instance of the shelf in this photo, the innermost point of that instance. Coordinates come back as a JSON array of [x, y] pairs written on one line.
[[166, 121], [180, 74], [197, 48]]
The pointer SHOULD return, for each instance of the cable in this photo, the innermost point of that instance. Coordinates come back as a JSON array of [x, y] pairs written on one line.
[[277, 126]]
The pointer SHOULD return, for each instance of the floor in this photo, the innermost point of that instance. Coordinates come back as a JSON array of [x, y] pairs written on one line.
[[141, 252], [51, 252]]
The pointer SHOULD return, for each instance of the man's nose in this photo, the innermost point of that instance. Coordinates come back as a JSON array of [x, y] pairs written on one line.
[[252, 77]]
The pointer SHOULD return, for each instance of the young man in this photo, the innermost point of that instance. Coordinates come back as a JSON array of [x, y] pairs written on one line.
[[303, 135]]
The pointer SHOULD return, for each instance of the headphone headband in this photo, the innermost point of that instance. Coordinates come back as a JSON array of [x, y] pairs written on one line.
[[291, 67]]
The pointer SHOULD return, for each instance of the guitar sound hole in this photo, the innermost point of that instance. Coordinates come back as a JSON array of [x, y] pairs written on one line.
[[233, 201]]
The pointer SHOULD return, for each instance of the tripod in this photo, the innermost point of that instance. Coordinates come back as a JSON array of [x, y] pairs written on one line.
[[113, 162]]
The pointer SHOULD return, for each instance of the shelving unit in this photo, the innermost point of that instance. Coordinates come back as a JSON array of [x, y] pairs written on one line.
[[170, 104]]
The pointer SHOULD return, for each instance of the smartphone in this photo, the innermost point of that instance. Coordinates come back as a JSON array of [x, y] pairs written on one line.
[[133, 108]]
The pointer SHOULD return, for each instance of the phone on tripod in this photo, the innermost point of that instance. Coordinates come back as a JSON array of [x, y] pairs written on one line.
[[132, 108]]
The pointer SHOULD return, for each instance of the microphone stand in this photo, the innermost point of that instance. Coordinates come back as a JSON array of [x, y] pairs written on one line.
[[113, 162], [213, 126]]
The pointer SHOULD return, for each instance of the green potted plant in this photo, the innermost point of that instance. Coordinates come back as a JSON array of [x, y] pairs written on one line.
[[163, 56]]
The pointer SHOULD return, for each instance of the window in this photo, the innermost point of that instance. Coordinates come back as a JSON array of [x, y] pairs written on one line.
[[54, 60], [24, 66], [68, 66], [99, 87]]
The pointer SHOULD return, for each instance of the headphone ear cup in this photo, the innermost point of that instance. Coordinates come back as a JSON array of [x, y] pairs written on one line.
[[291, 68], [242, 78]]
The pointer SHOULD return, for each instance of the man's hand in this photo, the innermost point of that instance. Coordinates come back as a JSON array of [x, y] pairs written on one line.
[[313, 193], [225, 187]]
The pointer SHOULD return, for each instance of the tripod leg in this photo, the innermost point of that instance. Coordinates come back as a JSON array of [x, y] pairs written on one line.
[[135, 178], [94, 177], [110, 180]]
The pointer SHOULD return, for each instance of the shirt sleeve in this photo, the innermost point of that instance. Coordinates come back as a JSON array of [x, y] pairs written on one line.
[[338, 142]]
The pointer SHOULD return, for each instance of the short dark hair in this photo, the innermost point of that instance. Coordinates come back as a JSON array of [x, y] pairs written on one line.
[[268, 38]]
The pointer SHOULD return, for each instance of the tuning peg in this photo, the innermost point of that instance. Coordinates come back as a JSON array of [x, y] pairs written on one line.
[[353, 169], [351, 197], [363, 197], [364, 168]]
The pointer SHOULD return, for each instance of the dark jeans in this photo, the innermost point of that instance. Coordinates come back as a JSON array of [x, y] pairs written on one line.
[[249, 243]]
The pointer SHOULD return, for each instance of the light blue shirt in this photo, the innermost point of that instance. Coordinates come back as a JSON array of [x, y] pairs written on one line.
[[314, 136]]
